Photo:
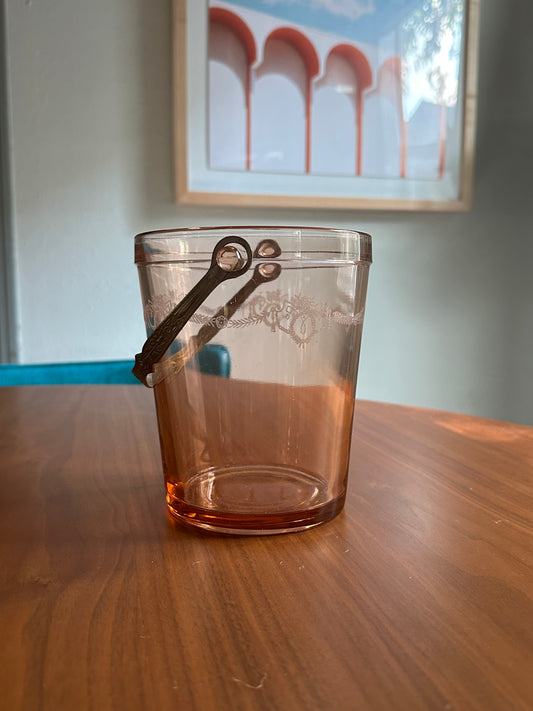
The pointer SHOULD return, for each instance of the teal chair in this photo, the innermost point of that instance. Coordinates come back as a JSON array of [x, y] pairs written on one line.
[[213, 359], [116, 372]]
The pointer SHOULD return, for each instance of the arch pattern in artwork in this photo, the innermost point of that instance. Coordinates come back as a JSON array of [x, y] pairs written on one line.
[[239, 28], [307, 52], [380, 87]]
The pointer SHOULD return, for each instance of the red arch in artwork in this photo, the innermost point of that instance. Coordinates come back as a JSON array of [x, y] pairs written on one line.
[[301, 44], [358, 61], [390, 84], [390, 73], [240, 29], [307, 51], [238, 26], [363, 72]]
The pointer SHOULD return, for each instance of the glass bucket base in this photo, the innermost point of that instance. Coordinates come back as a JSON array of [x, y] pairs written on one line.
[[253, 501]]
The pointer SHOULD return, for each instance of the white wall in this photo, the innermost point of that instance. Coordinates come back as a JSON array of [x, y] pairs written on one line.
[[450, 303]]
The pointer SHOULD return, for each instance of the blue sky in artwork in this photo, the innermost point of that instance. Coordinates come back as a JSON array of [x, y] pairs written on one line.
[[363, 20]]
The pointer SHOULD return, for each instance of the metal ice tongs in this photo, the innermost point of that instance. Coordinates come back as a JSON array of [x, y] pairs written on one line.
[[227, 262]]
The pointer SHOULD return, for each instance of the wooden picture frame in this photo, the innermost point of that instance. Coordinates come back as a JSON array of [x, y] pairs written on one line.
[[401, 160]]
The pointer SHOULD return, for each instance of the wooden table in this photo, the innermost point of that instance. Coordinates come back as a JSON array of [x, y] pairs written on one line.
[[418, 596]]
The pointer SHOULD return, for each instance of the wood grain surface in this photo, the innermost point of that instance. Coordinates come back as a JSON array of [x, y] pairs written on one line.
[[417, 597]]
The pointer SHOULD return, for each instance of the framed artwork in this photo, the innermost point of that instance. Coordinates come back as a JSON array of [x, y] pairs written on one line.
[[355, 104]]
